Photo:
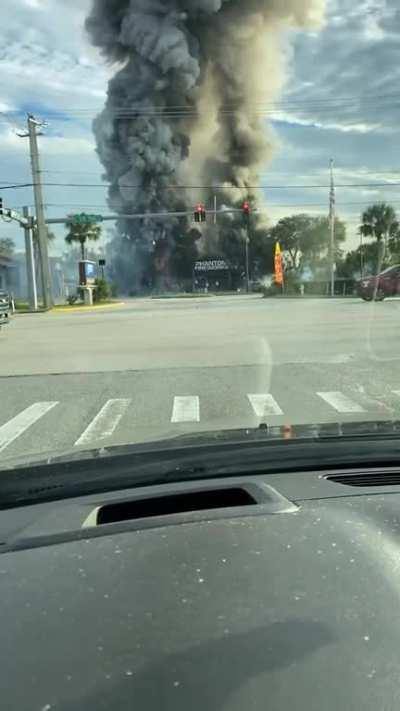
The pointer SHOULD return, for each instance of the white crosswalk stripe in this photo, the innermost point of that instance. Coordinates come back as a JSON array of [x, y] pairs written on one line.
[[341, 403], [105, 422], [186, 409], [15, 427], [264, 404]]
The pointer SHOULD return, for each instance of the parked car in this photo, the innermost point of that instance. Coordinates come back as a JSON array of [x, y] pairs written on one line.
[[5, 308], [387, 283]]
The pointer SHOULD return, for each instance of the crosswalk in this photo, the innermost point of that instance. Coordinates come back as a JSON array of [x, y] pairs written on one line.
[[105, 423], [183, 410], [21, 422]]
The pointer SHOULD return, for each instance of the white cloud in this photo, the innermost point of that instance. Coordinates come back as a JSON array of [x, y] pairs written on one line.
[[327, 125]]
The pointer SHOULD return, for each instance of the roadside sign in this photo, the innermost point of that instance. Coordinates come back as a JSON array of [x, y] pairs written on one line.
[[211, 265], [84, 219], [87, 273]]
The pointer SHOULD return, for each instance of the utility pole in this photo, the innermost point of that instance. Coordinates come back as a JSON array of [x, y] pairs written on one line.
[[332, 225], [30, 261], [247, 261], [32, 134], [246, 209]]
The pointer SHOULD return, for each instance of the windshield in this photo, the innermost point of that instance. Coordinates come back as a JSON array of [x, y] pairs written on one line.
[[191, 195], [389, 270]]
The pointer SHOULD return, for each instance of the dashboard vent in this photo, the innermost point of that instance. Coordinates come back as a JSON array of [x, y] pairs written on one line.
[[170, 504], [368, 479]]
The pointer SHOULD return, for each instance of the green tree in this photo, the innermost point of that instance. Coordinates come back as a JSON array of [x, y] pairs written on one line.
[[82, 233], [379, 221], [305, 240], [359, 262], [7, 247]]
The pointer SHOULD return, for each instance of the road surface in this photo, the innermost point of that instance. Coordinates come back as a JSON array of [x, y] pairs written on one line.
[[157, 368]]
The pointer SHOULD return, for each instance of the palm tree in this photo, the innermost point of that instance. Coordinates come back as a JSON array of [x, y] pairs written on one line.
[[380, 221], [82, 233]]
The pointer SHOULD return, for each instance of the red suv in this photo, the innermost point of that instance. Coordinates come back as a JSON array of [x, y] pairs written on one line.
[[387, 283]]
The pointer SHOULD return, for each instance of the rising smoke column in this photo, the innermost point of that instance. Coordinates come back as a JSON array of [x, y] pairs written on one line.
[[186, 100]]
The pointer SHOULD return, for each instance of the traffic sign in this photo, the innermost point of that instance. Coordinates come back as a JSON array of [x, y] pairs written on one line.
[[84, 219]]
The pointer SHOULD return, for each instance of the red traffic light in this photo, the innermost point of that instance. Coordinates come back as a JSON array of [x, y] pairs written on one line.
[[200, 213], [246, 208]]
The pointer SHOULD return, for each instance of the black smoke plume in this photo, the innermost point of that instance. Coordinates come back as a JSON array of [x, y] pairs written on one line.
[[186, 107]]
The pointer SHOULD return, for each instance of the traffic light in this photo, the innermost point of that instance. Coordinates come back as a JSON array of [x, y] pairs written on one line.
[[200, 213], [1, 206], [246, 209]]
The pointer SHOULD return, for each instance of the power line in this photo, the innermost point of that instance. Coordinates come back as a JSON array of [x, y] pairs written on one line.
[[209, 187], [263, 108], [230, 187], [232, 105], [263, 175], [15, 187], [322, 205]]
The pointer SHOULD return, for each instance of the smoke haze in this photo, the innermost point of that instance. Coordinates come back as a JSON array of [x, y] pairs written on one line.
[[185, 105]]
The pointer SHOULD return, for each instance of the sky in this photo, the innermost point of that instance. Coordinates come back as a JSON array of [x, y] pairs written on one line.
[[340, 101]]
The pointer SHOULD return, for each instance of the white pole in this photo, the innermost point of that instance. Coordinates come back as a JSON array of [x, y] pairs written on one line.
[[332, 219], [30, 262]]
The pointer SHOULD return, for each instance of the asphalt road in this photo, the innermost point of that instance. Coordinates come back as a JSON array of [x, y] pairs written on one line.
[[158, 368]]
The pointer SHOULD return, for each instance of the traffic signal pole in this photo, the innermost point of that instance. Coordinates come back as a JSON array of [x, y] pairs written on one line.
[[246, 212], [247, 261], [26, 222], [30, 261], [332, 230]]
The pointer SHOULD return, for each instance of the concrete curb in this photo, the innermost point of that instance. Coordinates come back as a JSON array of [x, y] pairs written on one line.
[[73, 309]]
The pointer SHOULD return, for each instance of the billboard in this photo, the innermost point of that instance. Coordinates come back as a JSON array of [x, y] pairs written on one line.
[[87, 273]]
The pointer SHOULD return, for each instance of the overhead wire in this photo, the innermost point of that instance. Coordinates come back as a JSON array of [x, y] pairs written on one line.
[[105, 186], [260, 108]]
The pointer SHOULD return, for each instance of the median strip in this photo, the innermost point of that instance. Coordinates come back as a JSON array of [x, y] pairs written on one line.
[[94, 307]]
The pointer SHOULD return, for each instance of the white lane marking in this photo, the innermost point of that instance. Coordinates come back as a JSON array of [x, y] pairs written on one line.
[[20, 423], [264, 404], [186, 409], [105, 422], [340, 402]]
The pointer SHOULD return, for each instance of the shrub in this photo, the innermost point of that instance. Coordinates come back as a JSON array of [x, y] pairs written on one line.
[[102, 292]]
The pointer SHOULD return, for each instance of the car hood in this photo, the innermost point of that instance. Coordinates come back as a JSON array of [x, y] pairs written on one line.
[[296, 610]]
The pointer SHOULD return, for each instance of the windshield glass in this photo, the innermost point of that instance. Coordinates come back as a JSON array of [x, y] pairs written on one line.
[[191, 195], [389, 270]]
